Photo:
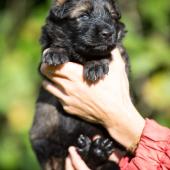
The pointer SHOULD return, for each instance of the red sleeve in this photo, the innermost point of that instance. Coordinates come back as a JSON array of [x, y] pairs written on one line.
[[153, 151]]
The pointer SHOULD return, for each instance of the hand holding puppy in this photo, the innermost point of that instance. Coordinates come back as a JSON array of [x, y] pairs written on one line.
[[107, 102]]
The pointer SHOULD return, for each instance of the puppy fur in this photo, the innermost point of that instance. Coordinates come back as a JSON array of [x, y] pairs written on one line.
[[85, 32]]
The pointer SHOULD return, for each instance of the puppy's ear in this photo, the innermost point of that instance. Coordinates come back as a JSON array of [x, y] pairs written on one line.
[[121, 31], [59, 9], [117, 10]]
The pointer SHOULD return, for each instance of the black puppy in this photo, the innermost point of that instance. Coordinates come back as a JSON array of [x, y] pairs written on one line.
[[82, 31]]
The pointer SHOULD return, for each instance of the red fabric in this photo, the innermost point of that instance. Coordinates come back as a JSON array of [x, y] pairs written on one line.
[[153, 151]]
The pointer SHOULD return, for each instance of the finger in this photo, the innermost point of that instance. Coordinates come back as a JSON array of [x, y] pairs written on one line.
[[96, 137], [78, 163], [116, 156], [50, 71], [116, 56], [56, 91], [68, 164], [117, 62], [60, 82], [67, 70]]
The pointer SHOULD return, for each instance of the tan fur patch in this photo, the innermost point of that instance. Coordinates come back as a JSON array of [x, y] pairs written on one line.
[[109, 7], [60, 2], [53, 164], [81, 8]]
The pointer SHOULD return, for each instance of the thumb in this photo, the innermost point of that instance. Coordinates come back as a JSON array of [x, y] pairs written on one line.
[[117, 58], [77, 162], [116, 156]]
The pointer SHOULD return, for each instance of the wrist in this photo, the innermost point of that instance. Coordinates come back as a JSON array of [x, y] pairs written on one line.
[[128, 128]]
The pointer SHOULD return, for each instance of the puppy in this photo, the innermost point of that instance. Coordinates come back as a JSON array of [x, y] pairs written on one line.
[[85, 32]]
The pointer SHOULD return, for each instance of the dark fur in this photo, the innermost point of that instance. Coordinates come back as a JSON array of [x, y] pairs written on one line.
[[82, 31]]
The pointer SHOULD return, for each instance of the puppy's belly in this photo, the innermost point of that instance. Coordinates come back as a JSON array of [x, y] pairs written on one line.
[[70, 128]]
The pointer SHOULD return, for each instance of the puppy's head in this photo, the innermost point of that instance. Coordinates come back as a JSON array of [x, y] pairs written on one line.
[[93, 25]]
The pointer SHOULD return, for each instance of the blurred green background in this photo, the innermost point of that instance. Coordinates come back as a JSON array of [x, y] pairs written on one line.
[[148, 45]]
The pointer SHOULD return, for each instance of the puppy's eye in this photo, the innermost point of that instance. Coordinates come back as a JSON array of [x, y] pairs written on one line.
[[84, 16]]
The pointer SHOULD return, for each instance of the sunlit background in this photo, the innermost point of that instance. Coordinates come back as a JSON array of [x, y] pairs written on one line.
[[148, 45]]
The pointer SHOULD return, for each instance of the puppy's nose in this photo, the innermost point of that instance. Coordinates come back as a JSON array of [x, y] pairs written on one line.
[[106, 33]]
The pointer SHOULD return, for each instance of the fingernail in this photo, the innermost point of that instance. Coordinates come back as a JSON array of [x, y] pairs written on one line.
[[71, 149]]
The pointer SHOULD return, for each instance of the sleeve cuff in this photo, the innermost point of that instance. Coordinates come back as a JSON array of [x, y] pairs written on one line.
[[153, 151]]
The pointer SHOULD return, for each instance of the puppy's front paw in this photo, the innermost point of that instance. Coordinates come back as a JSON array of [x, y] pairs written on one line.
[[94, 70], [55, 57]]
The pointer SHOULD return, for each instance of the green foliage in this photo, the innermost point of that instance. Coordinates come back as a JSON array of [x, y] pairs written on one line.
[[147, 42], [157, 11], [18, 88]]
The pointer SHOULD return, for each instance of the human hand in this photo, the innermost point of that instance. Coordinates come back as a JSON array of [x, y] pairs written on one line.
[[106, 102]]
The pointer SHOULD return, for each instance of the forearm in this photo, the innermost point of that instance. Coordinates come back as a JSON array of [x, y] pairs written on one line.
[[126, 129]]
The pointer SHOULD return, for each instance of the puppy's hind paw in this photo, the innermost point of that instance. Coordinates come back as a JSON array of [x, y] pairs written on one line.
[[101, 149], [83, 145]]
